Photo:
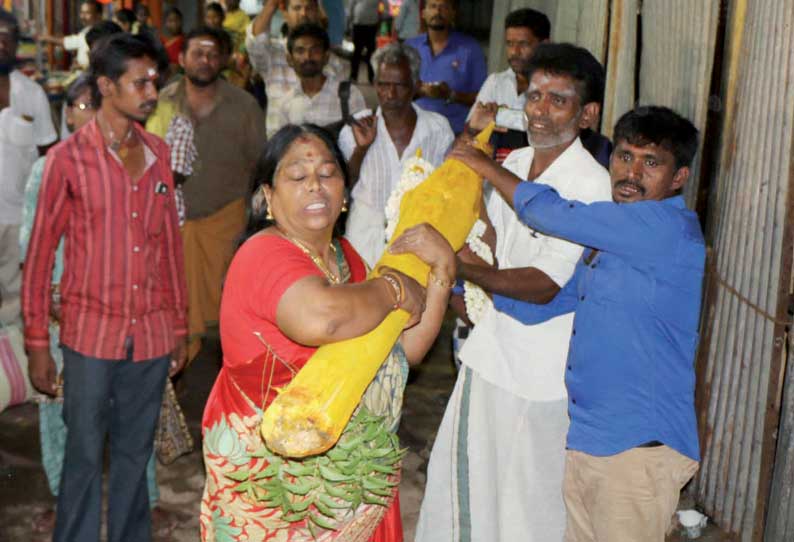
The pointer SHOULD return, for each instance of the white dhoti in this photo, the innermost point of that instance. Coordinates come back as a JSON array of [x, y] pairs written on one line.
[[496, 468]]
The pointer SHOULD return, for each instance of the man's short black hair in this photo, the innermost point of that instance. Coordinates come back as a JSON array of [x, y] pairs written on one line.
[[101, 30], [221, 37], [661, 126], [10, 19], [126, 16], [311, 30], [536, 21], [575, 62], [94, 4], [110, 56], [217, 8]]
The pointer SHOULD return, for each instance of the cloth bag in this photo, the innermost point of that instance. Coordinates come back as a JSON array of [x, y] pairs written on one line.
[[15, 387], [172, 438]]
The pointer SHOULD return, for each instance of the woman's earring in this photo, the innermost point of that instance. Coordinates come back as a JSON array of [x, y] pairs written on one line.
[[344, 206]]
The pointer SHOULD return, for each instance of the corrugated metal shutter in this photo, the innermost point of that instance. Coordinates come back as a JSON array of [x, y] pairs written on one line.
[[621, 62], [678, 40], [742, 363]]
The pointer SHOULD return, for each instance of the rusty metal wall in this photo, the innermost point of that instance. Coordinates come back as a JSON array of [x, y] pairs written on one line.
[[741, 362], [583, 22], [780, 520], [621, 62], [678, 41]]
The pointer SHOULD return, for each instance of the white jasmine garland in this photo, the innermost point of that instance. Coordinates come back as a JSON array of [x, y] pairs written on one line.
[[474, 297], [415, 171]]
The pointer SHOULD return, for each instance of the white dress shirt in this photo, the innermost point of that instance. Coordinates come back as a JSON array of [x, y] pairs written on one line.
[[78, 43], [19, 139], [529, 361], [268, 55], [501, 88], [324, 108], [380, 172]]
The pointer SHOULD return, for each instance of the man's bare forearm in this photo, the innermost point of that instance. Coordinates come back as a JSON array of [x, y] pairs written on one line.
[[262, 21], [354, 164], [524, 283]]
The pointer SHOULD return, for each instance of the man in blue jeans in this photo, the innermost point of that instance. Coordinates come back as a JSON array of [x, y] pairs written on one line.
[[108, 190], [632, 442]]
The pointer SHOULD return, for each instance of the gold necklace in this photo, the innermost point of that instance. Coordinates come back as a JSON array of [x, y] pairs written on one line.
[[332, 278]]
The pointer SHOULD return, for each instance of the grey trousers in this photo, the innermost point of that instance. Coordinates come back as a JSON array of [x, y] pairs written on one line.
[[118, 399]]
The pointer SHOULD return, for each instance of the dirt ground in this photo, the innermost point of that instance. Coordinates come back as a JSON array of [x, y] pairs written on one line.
[[24, 492]]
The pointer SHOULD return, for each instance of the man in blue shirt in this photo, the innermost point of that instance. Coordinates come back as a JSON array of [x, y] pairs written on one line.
[[632, 442], [453, 67]]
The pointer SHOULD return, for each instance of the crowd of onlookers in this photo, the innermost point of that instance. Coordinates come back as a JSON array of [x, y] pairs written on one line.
[[576, 295]]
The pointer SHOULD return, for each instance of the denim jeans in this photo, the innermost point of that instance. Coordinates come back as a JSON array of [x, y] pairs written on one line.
[[120, 400]]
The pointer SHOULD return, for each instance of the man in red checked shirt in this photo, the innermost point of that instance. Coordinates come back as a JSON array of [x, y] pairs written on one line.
[[108, 190]]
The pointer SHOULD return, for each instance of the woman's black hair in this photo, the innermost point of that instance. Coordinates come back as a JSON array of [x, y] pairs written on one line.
[[175, 11], [78, 86], [267, 163]]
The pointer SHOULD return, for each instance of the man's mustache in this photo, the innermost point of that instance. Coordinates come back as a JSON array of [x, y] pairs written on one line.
[[626, 182]]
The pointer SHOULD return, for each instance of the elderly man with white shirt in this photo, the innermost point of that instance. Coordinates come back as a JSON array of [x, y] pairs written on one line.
[[25, 130], [377, 146], [496, 468]]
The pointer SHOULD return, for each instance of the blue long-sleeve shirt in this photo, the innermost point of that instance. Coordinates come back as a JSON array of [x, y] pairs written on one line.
[[630, 370]]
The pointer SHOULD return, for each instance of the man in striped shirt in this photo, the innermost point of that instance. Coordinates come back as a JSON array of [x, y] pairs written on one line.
[[108, 190]]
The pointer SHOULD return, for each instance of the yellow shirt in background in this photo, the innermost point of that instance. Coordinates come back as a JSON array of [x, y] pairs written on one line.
[[235, 23]]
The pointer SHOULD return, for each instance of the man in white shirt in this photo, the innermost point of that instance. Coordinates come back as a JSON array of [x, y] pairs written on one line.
[[90, 14], [25, 130], [525, 29], [316, 98], [497, 464], [268, 53], [376, 147]]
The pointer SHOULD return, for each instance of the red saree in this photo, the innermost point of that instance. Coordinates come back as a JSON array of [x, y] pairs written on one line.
[[257, 359]]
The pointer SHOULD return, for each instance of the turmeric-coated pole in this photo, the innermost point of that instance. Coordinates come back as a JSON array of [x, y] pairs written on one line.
[[310, 413]]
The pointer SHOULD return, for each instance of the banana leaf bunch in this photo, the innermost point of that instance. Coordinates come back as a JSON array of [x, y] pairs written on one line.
[[322, 490]]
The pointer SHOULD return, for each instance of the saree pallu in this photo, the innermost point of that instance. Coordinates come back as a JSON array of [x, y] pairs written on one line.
[[231, 442]]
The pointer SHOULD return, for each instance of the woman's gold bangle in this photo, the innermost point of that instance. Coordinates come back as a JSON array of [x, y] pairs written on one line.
[[397, 285], [448, 284]]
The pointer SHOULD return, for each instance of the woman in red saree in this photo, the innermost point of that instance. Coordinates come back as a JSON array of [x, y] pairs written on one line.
[[176, 38], [291, 287]]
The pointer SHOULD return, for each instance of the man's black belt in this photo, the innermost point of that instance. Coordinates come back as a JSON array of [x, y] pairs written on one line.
[[651, 444]]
